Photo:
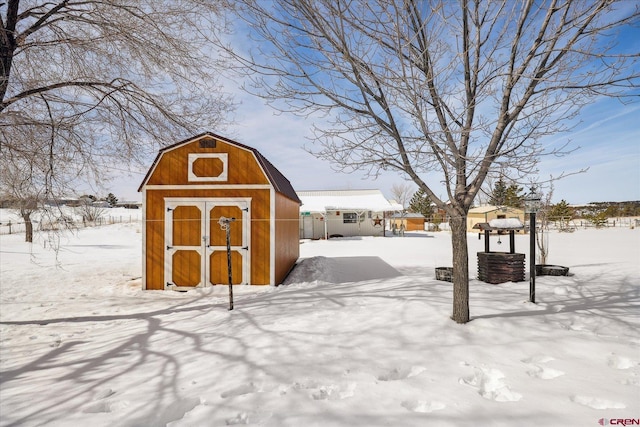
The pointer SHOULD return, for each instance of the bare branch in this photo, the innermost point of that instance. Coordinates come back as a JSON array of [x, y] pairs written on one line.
[[86, 84], [454, 89]]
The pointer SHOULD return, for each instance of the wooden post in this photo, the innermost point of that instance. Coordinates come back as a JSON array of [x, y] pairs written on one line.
[[486, 241], [512, 242]]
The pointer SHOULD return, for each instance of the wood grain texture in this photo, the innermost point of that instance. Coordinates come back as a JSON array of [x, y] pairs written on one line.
[[172, 169]]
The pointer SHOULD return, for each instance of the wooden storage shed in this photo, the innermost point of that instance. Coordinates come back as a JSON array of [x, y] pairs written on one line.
[[412, 221], [189, 187], [484, 214]]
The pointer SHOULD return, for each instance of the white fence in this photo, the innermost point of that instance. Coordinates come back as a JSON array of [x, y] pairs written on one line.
[[622, 222]]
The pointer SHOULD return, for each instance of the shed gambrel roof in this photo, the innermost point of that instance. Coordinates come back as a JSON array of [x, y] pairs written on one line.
[[280, 183]]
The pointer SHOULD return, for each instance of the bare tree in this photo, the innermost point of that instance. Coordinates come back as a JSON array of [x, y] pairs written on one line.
[[90, 212], [542, 226], [402, 193], [27, 178], [88, 85], [458, 89]]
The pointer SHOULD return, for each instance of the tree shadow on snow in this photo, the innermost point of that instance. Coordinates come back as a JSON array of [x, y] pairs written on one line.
[[77, 373], [341, 270], [82, 371], [617, 302], [242, 350]]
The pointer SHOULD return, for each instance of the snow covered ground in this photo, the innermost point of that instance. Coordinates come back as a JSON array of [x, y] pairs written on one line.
[[361, 336]]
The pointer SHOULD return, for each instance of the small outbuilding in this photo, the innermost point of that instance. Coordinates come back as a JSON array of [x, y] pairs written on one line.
[[189, 187], [410, 220], [484, 214]]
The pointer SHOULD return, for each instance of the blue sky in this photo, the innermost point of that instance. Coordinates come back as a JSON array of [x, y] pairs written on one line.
[[608, 142], [606, 138]]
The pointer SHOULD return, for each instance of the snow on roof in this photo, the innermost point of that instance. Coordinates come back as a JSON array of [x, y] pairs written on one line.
[[407, 215], [506, 223], [370, 200]]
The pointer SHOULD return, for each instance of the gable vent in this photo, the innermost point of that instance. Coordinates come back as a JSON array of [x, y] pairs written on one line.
[[207, 143]]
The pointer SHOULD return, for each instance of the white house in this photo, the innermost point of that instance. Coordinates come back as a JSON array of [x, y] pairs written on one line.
[[343, 213]]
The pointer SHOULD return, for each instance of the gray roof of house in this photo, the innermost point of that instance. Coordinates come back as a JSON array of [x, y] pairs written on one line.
[[407, 215]]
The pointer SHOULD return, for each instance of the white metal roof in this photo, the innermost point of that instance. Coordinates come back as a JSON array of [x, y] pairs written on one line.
[[360, 200], [406, 215], [506, 223], [489, 208]]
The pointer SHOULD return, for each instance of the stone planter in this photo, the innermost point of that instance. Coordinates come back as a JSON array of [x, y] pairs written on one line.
[[551, 270], [444, 273]]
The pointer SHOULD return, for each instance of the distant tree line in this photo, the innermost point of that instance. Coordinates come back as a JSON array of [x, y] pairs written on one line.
[[611, 209], [512, 195]]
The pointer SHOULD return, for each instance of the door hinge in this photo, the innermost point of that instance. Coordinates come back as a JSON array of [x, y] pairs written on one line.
[[246, 248], [169, 247], [169, 209], [246, 209]]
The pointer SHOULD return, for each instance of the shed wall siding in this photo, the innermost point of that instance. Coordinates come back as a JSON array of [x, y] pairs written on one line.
[[411, 224], [287, 243], [155, 219], [226, 171]]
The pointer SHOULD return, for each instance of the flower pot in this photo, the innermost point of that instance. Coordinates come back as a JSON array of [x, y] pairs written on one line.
[[444, 273]]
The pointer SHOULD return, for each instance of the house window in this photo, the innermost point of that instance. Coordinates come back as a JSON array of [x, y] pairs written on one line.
[[349, 218]]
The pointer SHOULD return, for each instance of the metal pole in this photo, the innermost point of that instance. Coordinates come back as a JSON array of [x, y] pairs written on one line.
[[229, 266], [532, 257], [225, 224]]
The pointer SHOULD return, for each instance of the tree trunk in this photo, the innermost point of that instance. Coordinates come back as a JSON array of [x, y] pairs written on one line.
[[7, 47], [28, 227], [460, 269]]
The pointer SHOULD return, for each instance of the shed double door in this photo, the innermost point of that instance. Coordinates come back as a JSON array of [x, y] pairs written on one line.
[[196, 244]]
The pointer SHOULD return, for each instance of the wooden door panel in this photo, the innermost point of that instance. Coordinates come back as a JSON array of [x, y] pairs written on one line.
[[186, 226], [218, 270], [217, 236], [196, 251], [186, 268]]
